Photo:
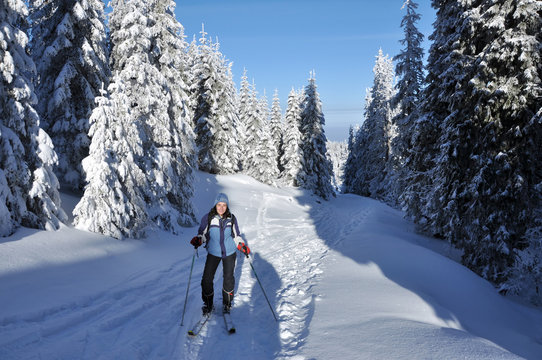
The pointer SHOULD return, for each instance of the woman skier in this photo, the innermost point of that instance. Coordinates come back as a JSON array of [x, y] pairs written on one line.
[[220, 231]]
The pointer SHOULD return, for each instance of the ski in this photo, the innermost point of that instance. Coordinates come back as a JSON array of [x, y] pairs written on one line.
[[195, 330], [230, 328]]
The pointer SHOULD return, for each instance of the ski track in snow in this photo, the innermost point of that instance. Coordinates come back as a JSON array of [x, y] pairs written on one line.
[[99, 322], [283, 236]]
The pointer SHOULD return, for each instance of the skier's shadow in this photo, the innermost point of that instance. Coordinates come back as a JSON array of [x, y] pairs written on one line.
[[253, 320], [258, 310]]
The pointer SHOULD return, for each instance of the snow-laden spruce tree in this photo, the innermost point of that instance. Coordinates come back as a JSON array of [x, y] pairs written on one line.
[[168, 120], [275, 126], [28, 187], [316, 172], [420, 160], [410, 71], [262, 159], [484, 90], [175, 64], [338, 153], [409, 63], [252, 123], [143, 95], [215, 116], [244, 110], [113, 203], [350, 165], [262, 164], [373, 139], [489, 181], [526, 274], [262, 109], [293, 157], [70, 52]]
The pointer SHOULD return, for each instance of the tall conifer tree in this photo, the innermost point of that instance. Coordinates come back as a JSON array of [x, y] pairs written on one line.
[[372, 147], [317, 170], [245, 113], [28, 187], [70, 51], [276, 127], [293, 157], [215, 116], [350, 166]]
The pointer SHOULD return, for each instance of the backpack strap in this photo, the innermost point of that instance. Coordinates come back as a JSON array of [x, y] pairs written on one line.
[[207, 236], [233, 219]]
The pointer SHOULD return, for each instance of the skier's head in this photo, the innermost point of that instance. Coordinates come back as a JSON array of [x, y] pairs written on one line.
[[221, 197], [221, 204]]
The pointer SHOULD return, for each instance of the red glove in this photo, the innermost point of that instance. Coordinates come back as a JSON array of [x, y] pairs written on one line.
[[196, 241], [244, 249]]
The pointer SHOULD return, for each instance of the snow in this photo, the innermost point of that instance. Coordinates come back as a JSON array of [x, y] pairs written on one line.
[[348, 278]]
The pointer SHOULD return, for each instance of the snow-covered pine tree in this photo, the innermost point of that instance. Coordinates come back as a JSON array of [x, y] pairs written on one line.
[[526, 274], [262, 164], [244, 106], [175, 63], [487, 179], [409, 68], [484, 89], [426, 126], [28, 187], [317, 172], [215, 117], [373, 140], [253, 122], [350, 165], [192, 57], [409, 63], [275, 126], [112, 203], [172, 204], [293, 157], [70, 52], [262, 109], [154, 165], [338, 153]]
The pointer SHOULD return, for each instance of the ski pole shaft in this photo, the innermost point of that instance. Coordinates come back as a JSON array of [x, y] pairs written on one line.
[[261, 286], [188, 287]]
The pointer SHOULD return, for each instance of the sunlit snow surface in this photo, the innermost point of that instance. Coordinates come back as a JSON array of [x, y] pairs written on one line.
[[347, 278]]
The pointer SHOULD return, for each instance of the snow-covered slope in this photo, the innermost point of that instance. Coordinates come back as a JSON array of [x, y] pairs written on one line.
[[347, 278]]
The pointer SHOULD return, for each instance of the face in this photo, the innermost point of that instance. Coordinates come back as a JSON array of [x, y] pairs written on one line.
[[221, 208]]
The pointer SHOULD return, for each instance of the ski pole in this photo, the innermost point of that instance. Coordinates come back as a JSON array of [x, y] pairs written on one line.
[[188, 287], [261, 286]]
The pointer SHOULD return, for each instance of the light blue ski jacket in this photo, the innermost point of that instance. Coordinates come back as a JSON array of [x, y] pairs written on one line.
[[221, 240]]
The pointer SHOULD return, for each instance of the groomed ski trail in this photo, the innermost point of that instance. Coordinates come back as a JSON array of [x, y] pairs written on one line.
[[278, 226]]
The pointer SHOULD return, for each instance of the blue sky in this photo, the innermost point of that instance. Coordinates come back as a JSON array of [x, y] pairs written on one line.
[[280, 41]]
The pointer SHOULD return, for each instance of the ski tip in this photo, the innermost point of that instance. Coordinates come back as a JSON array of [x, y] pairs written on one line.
[[191, 333], [231, 331]]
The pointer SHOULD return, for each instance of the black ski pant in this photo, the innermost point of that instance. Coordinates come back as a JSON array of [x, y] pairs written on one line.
[[211, 264]]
